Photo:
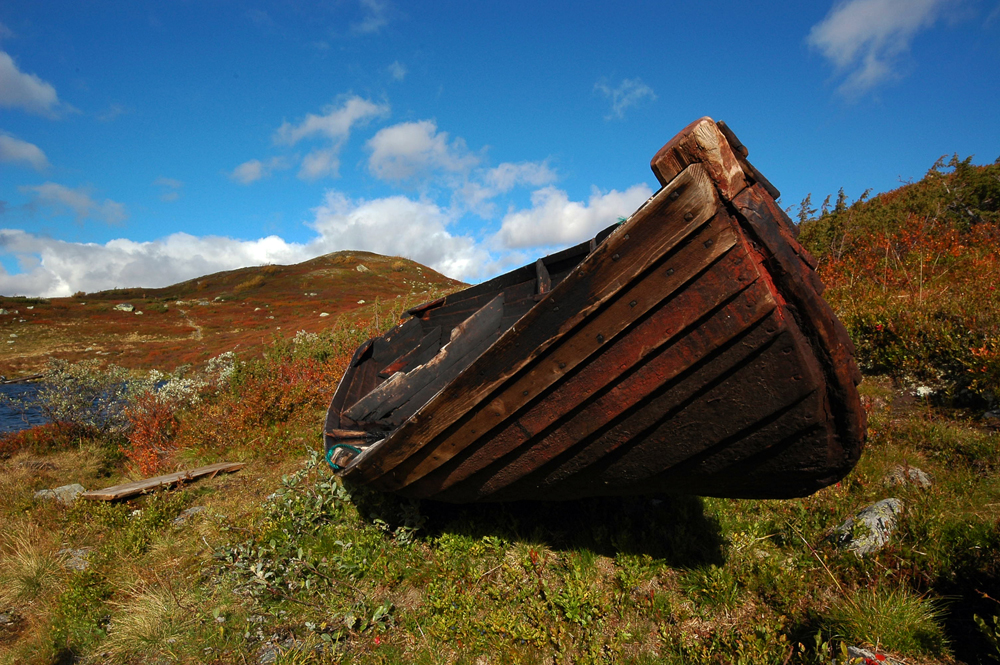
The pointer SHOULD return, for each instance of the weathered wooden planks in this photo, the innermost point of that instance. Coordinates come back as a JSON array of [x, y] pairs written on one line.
[[159, 482], [687, 349]]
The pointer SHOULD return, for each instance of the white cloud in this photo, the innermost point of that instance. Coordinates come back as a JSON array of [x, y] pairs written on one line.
[[62, 268], [628, 93], [60, 198], [25, 91], [397, 71], [477, 194], [335, 124], [397, 226], [169, 188], [394, 226], [319, 163], [865, 39], [555, 220], [375, 17], [254, 170], [411, 150], [17, 151]]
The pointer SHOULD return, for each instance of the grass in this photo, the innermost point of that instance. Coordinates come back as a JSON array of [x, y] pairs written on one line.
[[286, 561]]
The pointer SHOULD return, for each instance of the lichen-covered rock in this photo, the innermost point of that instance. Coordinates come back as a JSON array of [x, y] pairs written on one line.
[[187, 514], [124, 307], [869, 530], [78, 559], [908, 475], [362, 268], [66, 494]]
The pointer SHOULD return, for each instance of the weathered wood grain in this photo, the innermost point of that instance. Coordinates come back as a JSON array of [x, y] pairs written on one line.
[[126, 490]]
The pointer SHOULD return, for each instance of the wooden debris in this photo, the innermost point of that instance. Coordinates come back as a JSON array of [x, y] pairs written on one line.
[[686, 349], [160, 482]]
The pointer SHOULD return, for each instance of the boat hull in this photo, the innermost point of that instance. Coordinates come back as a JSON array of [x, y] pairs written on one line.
[[686, 350]]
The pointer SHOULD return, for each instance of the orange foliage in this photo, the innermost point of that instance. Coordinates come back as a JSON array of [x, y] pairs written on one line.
[[152, 425]]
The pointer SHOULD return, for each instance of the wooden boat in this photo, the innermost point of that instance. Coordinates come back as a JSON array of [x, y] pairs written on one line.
[[684, 350]]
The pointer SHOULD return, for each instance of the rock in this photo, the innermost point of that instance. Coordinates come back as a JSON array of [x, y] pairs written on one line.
[[6, 619], [992, 418], [869, 530], [866, 657], [66, 494], [322, 314], [124, 307], [181, 303], [138, 312], [908, 475], [187, 514], [360, 302], [76, 559], [3, 311], [361, 268]]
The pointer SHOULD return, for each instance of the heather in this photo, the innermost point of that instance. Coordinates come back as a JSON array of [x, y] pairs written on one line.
[[284, 563]]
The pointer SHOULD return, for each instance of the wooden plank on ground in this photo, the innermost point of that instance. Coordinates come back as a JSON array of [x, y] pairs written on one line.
[[159, 482]]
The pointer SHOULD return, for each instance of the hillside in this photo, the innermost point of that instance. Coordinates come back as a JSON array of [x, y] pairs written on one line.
[[188, 323], [914, 275], [283, 563]]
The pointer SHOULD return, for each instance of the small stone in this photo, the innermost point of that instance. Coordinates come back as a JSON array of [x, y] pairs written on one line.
[[30, 307], [13, 335], [187, 514], [908, 475], [78, 559], [3, 311], [180, 303], [869, 530], [6, 619], [324, 314], [362, 268], [124, 307], [360, 302], [859, 655], [138, 312], [66, 494]]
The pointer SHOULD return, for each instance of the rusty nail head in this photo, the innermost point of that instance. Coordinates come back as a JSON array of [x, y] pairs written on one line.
[[632, 304], [670, 271], [708, 243], [600, 338], [674, 194], [688, 216], [525, 393], [615, 257], [626, 236]]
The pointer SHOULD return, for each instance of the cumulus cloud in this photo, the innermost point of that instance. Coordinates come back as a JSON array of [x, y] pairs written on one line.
[[62, 268], [555, 220], [397, 71], [61, 199], [410, 150], [628, 93], [395, 226], [254, 170], [25, 91], [375, 16], [335, 124], [16, 151], [477, 193], [170, 189], [866, 39]]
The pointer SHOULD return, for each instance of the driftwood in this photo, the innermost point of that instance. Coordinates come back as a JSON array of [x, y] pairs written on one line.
[[160, 482]]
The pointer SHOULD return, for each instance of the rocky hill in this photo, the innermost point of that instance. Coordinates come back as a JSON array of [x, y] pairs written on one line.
[[236, 310]]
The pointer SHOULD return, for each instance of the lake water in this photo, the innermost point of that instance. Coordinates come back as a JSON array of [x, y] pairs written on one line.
[[12, 421]]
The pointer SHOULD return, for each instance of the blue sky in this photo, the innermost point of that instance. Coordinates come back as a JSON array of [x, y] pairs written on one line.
[[146, 143]]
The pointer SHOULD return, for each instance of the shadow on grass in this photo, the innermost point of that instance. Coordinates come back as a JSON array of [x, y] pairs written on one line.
[[673, 529]]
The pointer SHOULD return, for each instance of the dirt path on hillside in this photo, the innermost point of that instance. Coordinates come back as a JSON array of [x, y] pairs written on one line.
[[196, 335]]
